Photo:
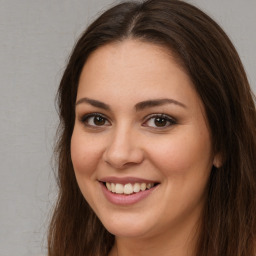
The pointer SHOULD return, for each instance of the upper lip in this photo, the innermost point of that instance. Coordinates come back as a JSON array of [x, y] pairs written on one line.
[[126, 180]]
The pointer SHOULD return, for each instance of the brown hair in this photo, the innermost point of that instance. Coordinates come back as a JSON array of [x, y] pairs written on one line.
[[206, 53]]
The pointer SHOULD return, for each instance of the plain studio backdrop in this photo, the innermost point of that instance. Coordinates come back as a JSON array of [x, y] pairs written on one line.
[[36, 37]]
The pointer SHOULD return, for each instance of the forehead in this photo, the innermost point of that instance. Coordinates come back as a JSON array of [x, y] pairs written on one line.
[[133, 65], [125, 50]]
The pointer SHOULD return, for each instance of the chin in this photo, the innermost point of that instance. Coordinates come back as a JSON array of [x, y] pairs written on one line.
[[126, 227], [128, 232]]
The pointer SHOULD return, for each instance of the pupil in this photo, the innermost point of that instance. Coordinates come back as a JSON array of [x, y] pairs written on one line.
[[160, 122], [98, 120]]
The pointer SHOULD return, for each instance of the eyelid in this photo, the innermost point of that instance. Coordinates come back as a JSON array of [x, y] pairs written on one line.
[[170, 119], [85, 117]]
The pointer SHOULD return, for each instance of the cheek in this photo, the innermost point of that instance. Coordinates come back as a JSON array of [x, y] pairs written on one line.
[[182, 153], [185, 162], [85, 153], [86, 156]]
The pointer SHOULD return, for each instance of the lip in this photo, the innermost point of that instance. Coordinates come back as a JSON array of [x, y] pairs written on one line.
[[126, 200]]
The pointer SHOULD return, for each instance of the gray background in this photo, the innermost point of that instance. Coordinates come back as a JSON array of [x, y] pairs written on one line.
[[36, 37]]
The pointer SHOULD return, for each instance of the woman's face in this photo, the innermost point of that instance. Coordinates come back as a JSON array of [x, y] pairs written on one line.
[[140, 148]]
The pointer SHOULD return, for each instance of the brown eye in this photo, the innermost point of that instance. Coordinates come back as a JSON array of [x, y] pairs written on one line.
[[95, 120], [159, 121], [98, 120]]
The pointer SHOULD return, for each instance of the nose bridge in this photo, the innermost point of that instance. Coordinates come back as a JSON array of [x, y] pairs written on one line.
[[123, 148], [122, 134]]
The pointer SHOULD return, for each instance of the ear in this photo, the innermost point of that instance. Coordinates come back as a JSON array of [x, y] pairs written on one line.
[[217, 160]]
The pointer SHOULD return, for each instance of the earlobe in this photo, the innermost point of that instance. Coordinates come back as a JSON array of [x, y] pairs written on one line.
[[217, 161]]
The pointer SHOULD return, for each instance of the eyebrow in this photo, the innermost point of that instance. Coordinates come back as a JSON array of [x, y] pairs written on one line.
[[95, 103], [157, 102], [139, 106]]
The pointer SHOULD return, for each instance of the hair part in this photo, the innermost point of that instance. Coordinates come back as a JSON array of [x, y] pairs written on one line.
[[205, 52]]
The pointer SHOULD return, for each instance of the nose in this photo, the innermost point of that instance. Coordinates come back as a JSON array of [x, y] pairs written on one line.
[[123, 149]]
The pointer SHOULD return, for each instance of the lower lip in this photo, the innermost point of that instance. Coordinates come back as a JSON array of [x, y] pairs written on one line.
[[121, 199]]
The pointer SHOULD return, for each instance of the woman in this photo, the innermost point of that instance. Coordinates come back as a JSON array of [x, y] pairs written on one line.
[[157, 146]]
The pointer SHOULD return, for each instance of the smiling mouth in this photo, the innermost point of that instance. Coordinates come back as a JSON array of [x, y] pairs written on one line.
[[129, 188]]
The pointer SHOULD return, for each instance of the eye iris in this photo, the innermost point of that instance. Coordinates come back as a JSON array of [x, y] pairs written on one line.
[[98, 120], [160, 122]]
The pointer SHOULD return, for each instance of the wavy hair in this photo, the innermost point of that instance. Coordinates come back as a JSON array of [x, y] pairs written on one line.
[[207, 55]]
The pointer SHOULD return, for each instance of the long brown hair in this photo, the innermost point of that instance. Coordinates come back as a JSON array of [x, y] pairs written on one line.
[[207, 55]]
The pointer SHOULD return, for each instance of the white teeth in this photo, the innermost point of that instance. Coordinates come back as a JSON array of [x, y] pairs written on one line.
[[128, 188], [113, 188], [108, 186], [119, 188], [136, 187], [143, 186], [149, 185]]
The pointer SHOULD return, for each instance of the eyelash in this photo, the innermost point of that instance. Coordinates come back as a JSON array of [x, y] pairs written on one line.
[[169, 120], [86, 117]]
